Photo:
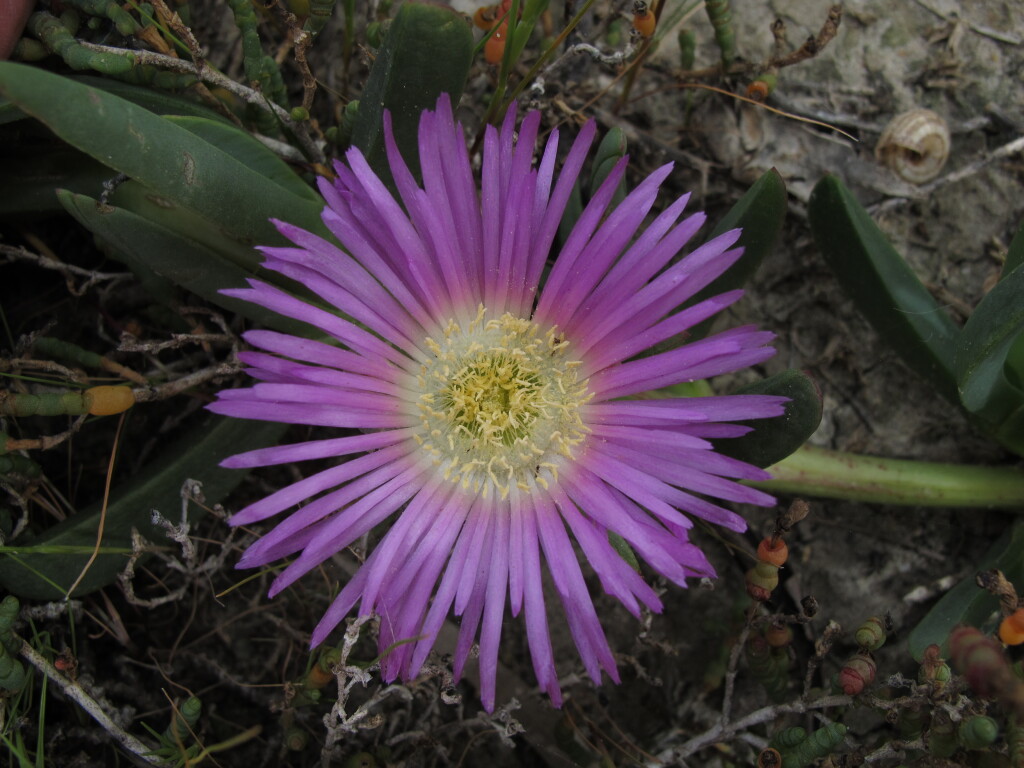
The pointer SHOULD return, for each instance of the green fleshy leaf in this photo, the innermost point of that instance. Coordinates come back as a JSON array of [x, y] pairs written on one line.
[[195, 455], [9, 112], [520, 29], [884, 288], [186, 223], [153, 99], [150, 249], [967, 603], [625, 551], [174, 162], [29, 179], [1015, 253], [1014, 367], [772, 440], [760, 213], [609, 152], [150, 205], [572, 213], [249, 152], [988, 356], [427, 51]]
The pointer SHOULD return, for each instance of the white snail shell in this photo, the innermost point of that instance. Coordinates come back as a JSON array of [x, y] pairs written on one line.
[[915, 144]]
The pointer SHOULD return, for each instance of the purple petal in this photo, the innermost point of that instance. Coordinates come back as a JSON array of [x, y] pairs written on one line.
[[418, 515], [666, 291], [309, 351], [669, 411], [494, 610], [339, 532], [565, 571], [468, 542], [515, 551], [621, 345], [271, 368], [647, 256], [602, 249], [547, 306], [544, 232], [663, 500], [357, 339], [312, 414], [316, 449], [537, 634], [393, 324], [725, 352]]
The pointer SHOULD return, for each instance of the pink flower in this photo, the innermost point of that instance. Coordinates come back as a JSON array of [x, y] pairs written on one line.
[[486, 408]]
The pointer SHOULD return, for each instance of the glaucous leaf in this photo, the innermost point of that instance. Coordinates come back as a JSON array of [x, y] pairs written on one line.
[[173, 161], [248, 151], [772, 440], [44, 576], [1015, 253], [29, 179], [987, 361], [149, 249], [760, 213], [426, 51], [611, 149], [153, 99], [884, 289], [967, 603], [520, 32]]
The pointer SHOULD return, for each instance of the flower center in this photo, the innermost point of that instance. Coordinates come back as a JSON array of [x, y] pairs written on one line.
[[500, 403]]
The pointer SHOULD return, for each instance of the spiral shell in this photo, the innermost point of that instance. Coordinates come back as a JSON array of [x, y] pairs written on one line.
[[915, 144]]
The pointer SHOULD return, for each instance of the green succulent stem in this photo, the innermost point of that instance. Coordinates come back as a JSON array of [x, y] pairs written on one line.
[[813, 471]]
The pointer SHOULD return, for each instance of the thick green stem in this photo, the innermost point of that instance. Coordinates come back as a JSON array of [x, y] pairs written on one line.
[[819, 472]]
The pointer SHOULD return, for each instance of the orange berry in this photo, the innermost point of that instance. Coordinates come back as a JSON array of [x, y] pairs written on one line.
[[760, 90], [1011, 631], [772, 551], [643, 20], [757, 90], [494, 48], [486, 16], [108, 400]]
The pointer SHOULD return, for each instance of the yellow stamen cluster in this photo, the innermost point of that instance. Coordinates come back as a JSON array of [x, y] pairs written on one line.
[[500, 403]]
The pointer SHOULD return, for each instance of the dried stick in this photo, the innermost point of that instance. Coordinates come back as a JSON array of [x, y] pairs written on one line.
[[811, 48], [176, 341], [813, 45], [74, 691], [47, 441], [723, 732], [734, 662], [14, 253], [178, 386]]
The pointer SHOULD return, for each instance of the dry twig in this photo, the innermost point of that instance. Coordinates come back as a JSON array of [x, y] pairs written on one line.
[[74, 691], [724, 732], [18, 253]]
